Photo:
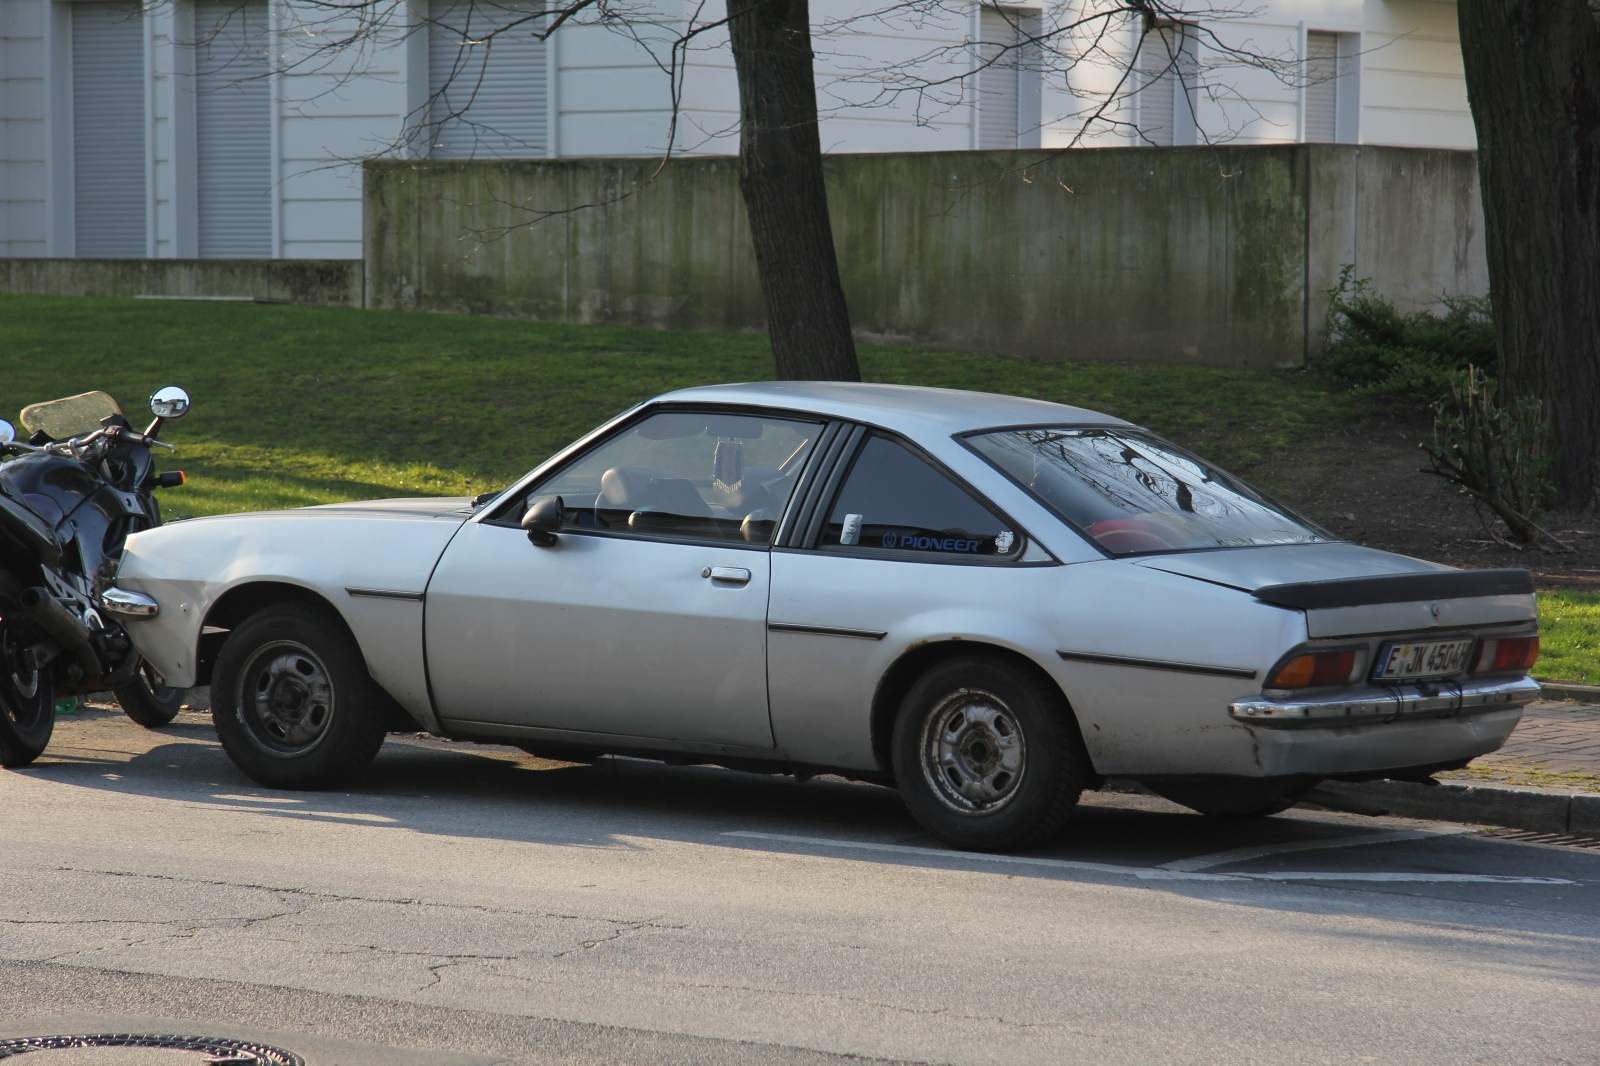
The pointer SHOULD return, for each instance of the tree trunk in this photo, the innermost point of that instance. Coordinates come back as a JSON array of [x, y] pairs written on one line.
[[780, 175], [1533, 76]]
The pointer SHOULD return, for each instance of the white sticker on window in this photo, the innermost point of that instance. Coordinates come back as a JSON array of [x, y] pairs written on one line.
[[851, 533], [1003, 541]]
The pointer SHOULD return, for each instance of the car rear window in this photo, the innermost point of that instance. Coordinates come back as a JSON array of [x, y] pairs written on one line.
[[895, 501], [1133, 493]]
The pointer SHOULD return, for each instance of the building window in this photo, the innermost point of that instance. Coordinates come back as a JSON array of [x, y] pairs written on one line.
[[1167, 70], [1330, 88], [233, 129], [486, 81], [108, 123], [1008, 80]]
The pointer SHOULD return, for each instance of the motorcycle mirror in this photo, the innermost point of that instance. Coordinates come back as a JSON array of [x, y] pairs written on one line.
[[169, 403], [8, 432]]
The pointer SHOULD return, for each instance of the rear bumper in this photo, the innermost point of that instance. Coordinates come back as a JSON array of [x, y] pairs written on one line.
[[1383, 729], [1387, 704]]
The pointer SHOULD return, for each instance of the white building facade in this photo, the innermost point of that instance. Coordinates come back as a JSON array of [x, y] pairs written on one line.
[[235, 128]]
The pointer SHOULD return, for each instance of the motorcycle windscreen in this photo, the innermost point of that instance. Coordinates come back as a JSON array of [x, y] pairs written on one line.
[[70, 416]]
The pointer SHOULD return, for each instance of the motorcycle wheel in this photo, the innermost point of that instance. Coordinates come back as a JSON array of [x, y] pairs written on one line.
[[27, 697], [148, 701]]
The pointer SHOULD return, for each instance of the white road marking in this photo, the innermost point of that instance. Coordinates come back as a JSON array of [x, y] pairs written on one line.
[[1222, 858], [1147, 873]]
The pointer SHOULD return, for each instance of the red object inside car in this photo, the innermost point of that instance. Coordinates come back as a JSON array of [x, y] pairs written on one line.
[[1123, 535]]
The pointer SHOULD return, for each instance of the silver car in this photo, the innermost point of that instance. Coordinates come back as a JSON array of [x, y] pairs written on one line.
[[991, 603]]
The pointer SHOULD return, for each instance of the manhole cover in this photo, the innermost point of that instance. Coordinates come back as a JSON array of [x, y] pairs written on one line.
[[145, 1049]]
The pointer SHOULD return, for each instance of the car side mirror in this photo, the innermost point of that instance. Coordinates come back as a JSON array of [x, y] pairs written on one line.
[[543, 519]]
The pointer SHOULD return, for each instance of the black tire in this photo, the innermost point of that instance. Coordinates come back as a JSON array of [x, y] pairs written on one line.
[[292, 701], [148, 701], [1009, 775], [27, 697]]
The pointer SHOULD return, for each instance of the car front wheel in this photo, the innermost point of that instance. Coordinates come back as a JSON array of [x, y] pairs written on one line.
[[292, 701], [987, 755]]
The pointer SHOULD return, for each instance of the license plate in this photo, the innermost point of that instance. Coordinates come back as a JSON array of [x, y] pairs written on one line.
[[1435, 658]]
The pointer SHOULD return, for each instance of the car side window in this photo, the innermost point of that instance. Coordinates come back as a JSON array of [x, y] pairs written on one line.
[[895, 501], [685, 475]]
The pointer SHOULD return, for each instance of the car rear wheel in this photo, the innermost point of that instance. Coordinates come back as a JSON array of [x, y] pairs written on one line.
[[27, 693], [149, 700], [988, 756], [292, 701]]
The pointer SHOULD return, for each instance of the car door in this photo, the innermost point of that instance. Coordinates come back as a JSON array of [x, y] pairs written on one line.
[[895, 552], [646, 618]]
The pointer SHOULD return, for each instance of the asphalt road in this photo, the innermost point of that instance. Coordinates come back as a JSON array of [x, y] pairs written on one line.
[[468, 905]]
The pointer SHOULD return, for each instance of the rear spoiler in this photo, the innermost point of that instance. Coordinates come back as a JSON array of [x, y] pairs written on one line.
[[1397, 588]]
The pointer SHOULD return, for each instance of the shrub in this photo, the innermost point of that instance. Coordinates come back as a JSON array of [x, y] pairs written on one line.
[[1376, 350], [1498, 454]]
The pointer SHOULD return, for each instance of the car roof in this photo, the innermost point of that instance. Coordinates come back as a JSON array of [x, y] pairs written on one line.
[[903, 408]]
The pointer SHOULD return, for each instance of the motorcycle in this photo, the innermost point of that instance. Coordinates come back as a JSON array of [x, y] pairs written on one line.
[[70, 496]]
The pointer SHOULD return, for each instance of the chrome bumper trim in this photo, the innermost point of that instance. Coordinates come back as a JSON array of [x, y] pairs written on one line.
[[125, 604], [1388, 704]]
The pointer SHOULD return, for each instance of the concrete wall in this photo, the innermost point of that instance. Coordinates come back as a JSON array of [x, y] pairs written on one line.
[[325, 282], [1203, 256]]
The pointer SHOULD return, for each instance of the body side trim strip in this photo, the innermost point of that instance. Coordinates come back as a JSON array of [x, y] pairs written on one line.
[[1158, 664], [384, 594], [827, 631]]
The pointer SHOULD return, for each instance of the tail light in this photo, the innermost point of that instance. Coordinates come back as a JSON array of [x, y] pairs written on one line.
[[1316, 668], [1499, 655]]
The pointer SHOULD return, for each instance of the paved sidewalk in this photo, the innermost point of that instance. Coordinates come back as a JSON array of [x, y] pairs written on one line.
[[1557, 745]]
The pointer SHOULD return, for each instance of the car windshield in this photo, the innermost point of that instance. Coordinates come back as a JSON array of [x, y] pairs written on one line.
[[1134, 493]]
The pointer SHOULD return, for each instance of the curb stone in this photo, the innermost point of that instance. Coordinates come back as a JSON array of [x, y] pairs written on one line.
[[1555, 690], [1545, 810]]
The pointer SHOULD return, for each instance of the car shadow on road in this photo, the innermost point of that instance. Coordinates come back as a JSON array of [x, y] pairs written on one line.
[[458, 790]]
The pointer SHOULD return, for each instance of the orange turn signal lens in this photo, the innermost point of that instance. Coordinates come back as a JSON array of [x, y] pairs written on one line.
[[1498, 655], [1316, 668]]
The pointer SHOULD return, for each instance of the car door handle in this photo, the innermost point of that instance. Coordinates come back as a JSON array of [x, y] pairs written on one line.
[[734, 575]]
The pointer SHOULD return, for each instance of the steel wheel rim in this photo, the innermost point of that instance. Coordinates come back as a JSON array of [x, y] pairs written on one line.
[[286, 699], [973, 752]]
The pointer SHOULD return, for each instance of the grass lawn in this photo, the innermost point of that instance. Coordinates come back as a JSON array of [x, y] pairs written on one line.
[[303, 405], [1569, 637]]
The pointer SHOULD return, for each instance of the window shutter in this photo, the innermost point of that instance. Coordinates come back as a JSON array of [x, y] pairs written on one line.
[[108, 150], [233, 129], [1159, 85], [1322, 87], [997, 83], [489, 93]]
